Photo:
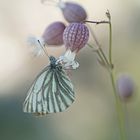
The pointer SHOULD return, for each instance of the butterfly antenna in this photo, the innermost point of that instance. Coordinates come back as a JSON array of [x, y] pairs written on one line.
[[43, 49]]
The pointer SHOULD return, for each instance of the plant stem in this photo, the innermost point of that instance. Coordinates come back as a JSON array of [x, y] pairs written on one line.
[[110, 43], [104, 56], [99, 54], [97, 22], [119, 107], [99, 49]]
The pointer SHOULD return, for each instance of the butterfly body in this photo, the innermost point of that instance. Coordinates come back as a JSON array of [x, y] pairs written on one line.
[[52, 62], [52, 91]]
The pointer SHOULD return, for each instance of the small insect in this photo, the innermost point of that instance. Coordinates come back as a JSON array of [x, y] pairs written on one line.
[[51, 91]]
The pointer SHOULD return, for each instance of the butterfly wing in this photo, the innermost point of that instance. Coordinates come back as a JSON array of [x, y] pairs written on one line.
[[34, 102], [62, 94], [52, 91]]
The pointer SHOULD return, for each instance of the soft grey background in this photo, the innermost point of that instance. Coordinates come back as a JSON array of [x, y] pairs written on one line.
[[93, 114]]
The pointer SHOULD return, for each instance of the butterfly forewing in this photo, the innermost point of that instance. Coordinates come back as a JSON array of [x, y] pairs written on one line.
[[52, 91]]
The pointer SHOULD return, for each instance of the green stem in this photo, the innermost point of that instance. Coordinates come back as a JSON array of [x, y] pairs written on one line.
[[99, 49], [110, 43], [104, 56], [119, 107], [100, 55]]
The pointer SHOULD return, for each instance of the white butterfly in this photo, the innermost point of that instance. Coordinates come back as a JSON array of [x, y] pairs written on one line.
[[52, 91]]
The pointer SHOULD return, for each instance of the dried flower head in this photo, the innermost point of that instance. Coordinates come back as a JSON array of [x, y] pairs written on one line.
[[125, 86], [75, 36], [53, 34], [72, 12]]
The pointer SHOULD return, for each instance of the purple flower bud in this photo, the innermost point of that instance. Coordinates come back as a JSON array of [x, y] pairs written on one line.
[[53, 34], [125, 86], [75, 36], [73, 12]]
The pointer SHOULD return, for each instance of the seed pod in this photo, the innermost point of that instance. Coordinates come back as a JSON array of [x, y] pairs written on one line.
[[125, 86], [53, 34], [75, 36], [72, 12]]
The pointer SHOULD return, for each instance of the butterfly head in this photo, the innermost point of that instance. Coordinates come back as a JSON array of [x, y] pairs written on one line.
[[52, 61]]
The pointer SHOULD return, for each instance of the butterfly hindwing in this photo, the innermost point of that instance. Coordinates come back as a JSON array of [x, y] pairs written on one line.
[[34, 101], [61, 93], [52, 91]]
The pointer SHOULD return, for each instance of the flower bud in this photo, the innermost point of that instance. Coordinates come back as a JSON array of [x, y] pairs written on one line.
[[53, 34], [73, 12], [75, 36], [125, 86]]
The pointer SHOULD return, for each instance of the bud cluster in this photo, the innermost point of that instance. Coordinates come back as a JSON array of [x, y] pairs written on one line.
[[73, 36]]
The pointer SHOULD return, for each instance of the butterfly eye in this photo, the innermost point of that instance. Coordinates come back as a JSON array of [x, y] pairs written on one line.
[[52, 59]]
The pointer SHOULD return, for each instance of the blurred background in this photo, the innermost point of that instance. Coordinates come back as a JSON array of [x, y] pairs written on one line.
[[93, 114]]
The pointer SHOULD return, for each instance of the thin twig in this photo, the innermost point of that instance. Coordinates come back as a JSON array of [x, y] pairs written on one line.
[[97, 22], [99, 46], [110, 43]]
